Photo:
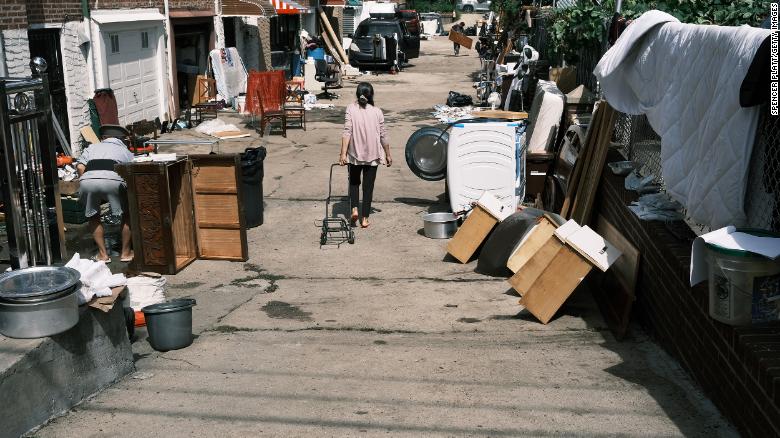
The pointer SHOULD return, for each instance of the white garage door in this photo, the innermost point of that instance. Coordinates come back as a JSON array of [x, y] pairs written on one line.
[[132, 73]]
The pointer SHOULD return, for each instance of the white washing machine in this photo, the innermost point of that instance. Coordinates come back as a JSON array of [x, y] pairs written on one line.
[[485, 157]]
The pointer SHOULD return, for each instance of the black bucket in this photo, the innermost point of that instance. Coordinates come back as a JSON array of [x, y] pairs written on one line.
[[170, 324]]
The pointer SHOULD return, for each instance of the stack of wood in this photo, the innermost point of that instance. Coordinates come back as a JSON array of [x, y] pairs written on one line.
[[584, 183], [332, 41]]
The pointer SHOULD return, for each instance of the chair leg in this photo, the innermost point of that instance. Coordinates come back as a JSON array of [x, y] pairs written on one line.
[[262, 126]]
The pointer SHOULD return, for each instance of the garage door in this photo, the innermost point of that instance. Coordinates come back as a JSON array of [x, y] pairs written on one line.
[[132, 73]]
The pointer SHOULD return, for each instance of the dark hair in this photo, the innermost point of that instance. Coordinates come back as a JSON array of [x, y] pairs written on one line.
[[365, 94]]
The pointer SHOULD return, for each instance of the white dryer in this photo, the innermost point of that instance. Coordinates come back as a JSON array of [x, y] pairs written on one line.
[[485, 157]]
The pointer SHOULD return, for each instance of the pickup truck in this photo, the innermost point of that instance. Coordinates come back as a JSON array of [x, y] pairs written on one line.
[[362, 50]]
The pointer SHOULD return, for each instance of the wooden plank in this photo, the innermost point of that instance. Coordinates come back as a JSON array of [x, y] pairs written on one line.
[[89, 135], [216, 209], [341, 53], [537, 237], [524, 278], [615, 292], [554, 286], [220, 243], [504, 52], [626, 267], [471, 234], [498, 114], [582, 159], [461, 39], [586, 196]]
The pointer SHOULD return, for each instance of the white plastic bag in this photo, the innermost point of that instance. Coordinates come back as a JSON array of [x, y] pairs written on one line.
[[144, 291]]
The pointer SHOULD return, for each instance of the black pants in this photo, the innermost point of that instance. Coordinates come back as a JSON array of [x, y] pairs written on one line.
[[369, 176], [456, 47]]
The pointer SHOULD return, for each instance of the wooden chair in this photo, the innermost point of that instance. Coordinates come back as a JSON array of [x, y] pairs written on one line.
[[293, 105], [269, 110], [269, 93]]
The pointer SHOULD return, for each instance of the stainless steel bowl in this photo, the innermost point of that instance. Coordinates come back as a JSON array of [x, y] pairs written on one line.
[[39, 301], [440, 225], [40, 319]]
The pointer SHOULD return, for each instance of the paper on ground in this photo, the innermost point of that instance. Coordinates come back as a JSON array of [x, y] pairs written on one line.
[[729, 238]]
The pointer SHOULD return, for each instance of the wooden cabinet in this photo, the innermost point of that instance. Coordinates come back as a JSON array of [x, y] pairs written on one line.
[[183, 210]]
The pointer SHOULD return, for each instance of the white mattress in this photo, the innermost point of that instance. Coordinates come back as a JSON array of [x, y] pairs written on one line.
[[482, 157], [544, 117]]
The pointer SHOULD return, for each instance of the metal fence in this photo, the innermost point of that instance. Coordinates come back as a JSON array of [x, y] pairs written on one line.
[[639, 143]]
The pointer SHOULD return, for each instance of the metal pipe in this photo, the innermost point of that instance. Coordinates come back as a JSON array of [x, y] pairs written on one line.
[[21, 169], [619, 6], [44, 243], [35, 218]]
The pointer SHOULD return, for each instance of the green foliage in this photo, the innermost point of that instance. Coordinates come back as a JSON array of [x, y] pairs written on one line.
[[583, 26], [576, 28], [720, 12], [440, 6]]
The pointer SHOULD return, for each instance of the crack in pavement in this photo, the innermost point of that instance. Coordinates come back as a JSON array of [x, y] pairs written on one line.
[[178, 360], [226, 329]]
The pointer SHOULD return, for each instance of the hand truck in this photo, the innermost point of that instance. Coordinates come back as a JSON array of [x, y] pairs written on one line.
[[335, 229]]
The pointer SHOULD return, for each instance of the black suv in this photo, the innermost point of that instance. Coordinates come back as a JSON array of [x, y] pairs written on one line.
[[363, 50]]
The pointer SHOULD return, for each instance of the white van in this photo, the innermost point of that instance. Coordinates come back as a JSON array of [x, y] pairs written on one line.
[[468, 6]]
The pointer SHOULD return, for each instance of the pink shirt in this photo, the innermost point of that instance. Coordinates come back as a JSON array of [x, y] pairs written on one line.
[[365, 129]]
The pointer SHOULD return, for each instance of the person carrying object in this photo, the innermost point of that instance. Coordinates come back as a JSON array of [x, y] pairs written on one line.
[[458, 27], [99, 183], [364, 147]]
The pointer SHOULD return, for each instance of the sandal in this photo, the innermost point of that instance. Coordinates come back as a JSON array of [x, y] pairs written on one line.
[[366, 225], [127, 259], [96, 258]]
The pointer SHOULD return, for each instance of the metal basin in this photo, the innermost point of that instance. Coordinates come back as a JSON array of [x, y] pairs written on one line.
[[40, 319], [38, 302], [440, 225]]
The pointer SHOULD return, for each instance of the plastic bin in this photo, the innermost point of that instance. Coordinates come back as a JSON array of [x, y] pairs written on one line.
[[744, 287], [252, 185], [169, 324]]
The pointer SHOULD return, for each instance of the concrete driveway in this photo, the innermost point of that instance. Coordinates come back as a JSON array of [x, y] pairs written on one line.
[[387, 336]]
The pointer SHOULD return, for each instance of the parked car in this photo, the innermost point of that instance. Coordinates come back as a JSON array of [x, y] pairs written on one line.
[[469, 6], [362, 49], [412, 20]]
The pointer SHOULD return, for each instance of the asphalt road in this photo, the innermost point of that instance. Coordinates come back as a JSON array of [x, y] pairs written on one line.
[[387, 336]]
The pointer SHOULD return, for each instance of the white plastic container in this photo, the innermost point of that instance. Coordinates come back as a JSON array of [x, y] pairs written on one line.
[[744, 287]]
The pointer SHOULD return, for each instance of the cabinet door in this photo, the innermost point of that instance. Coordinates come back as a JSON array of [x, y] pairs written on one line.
[[150, 216], [219, 213]]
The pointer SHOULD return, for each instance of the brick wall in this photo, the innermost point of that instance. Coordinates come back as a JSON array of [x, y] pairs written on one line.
[[736, 367], [264, 31], [196, 5], [126, 4], [53, 11], [14, 15]]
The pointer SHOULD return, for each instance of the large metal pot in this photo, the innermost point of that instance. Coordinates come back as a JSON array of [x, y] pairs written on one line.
[[440, 225], [38, 302]]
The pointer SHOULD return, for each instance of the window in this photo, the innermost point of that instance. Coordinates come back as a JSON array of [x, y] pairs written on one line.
[[144, 40], [114, 43]]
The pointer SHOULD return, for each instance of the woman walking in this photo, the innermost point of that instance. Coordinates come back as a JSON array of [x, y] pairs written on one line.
[[364, 147]]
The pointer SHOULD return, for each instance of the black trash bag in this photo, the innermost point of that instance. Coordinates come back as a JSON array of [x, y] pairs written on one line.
[[504, 239], [457, 99], [252, 185]]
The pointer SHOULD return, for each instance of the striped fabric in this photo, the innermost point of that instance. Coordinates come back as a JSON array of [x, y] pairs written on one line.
[[288, 7]]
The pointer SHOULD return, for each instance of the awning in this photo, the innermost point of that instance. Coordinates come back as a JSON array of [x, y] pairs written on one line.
[[248, 8], [289, 7], [333, 3], [123, 16]]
